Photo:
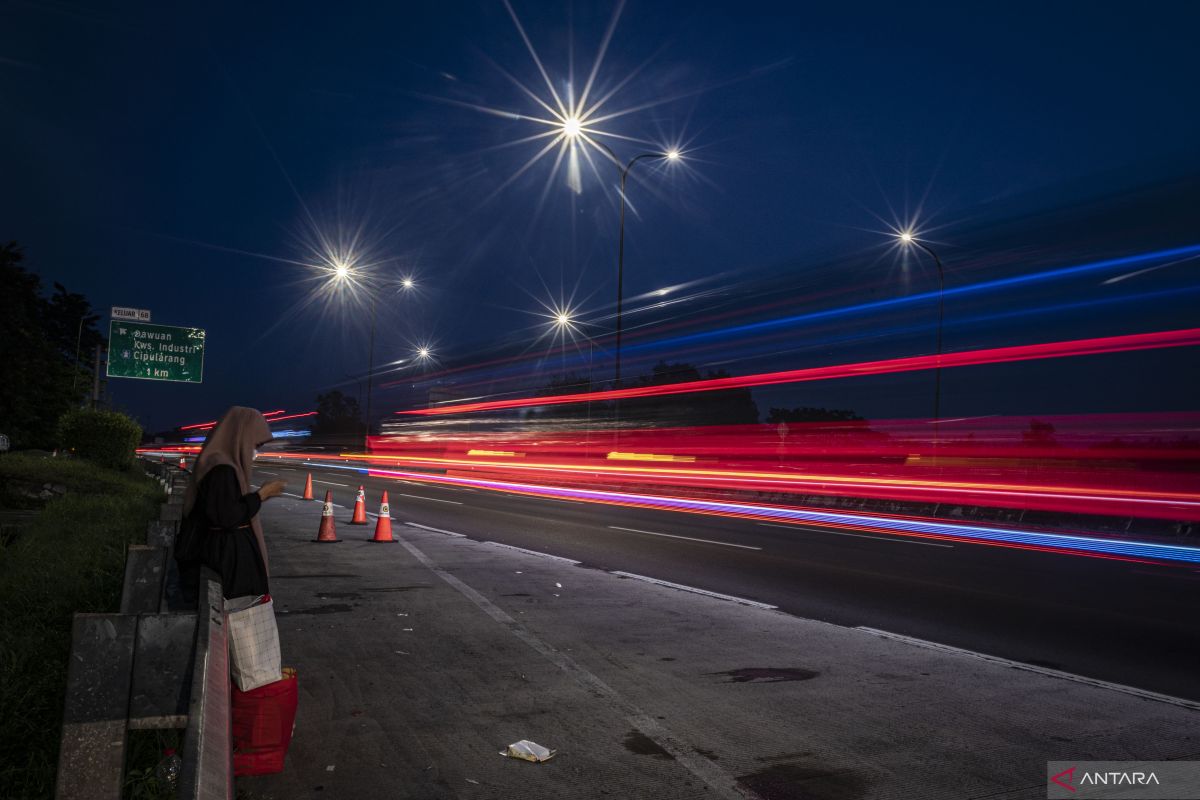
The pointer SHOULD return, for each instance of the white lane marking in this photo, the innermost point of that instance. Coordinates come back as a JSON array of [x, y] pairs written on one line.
[[686, 538], [331, 483], [265, 472], [436, 530], [895, 539], [713, 776], [297, 496], [694, 590], [526, 551], [432, 499], [1053, 673]]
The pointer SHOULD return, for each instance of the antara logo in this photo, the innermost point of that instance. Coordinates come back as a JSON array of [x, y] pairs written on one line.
[[1118, 778], [1066, 778]]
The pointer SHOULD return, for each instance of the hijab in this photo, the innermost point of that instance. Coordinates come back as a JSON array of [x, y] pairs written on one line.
[[231, 443]]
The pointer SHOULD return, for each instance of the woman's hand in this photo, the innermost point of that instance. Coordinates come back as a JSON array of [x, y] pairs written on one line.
[[271, 489]]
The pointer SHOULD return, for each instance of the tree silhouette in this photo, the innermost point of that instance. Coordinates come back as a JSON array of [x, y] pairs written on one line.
[[37, 349], [337, 413]]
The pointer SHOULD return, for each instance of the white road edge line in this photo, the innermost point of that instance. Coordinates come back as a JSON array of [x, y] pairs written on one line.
[[297, 496], [528, 552], [1053, 673], [265, 472], [432, 499], [435, 530], [896, 540], [331, 483], [686, 538], [694, 590]]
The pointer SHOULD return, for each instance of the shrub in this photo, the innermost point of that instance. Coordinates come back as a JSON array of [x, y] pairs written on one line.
[[107, 438]]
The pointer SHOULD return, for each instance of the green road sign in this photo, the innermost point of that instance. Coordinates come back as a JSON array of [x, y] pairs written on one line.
[[155, 352]]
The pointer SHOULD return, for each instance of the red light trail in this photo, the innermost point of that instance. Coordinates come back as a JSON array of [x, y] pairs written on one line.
[[997, 355]]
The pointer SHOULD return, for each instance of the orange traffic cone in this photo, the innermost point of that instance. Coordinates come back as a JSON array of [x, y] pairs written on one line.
[[308, 495], [383, 525], [360, 508], [327, 533]]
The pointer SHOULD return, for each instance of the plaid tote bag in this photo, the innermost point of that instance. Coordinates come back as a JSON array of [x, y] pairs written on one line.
[[254, 658]]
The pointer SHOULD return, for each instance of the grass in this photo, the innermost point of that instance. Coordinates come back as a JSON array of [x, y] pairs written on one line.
[[70, 558]]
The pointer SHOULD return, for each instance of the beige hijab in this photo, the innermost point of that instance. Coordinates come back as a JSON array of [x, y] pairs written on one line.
[[232, 444]]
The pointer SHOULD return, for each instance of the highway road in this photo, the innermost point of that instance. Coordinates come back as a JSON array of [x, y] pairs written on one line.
[[1127, 623]]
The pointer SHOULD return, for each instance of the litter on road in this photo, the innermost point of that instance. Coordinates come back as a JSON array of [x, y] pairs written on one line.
[[528, 751]]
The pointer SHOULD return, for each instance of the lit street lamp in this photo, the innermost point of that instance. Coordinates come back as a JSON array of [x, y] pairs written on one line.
[[909, 240], [343, 272], [668, 155]]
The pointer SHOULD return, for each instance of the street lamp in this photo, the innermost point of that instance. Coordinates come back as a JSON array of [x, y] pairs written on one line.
[[908, 239], [343, 273], [669, 155]]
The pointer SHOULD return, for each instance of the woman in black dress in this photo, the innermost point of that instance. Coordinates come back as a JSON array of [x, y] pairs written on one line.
[[221, 522]]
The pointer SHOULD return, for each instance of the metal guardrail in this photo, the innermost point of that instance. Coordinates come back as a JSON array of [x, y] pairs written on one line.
[[152, 666]]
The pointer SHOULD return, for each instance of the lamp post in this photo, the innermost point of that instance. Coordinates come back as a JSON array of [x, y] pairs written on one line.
[[909, 240], [571, 130], [668, 155], [342, 272]]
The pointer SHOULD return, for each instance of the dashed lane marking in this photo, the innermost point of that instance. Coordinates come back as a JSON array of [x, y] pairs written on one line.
[[435, 530], [686, 538], [893, 539], [538, 553], [685, 588], [431, 499]]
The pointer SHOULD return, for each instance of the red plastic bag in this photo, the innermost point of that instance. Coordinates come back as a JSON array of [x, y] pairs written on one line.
[[263, 720]]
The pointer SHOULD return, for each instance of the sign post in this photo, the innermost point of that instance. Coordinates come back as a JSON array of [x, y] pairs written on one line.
[[155, 352]]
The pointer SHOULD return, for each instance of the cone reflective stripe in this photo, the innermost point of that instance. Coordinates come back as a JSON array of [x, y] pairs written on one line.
[[308, 495], [182, 462], [360, 508], [383, 525], [327, 532]]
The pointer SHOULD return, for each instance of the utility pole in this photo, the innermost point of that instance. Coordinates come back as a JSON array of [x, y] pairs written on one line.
[[96, 380]]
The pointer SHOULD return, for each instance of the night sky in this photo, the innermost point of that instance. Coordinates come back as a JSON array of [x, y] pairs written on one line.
[[184, 160]]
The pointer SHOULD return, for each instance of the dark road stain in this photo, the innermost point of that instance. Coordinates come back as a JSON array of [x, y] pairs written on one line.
[[339, 596], [666, 658], [517, 594], [783, 757], [643, 745], [399, 588], [332, 608], [709, 754], [768, 674], [804, 782]]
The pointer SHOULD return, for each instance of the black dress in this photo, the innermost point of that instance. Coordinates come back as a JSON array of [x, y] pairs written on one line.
[[224, 540]]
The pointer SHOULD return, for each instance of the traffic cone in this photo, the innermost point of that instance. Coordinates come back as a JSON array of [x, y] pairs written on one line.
[[383, 525], [360, 508], [308, 495], [327, 533], [182, 462]]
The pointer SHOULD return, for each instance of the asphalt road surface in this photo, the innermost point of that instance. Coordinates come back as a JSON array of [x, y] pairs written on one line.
[[1126, 623]]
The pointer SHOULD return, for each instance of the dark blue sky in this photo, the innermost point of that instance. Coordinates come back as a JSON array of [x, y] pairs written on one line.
[[149, 151]]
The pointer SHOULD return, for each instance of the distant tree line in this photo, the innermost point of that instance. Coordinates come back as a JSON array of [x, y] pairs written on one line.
[[47, 349]]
